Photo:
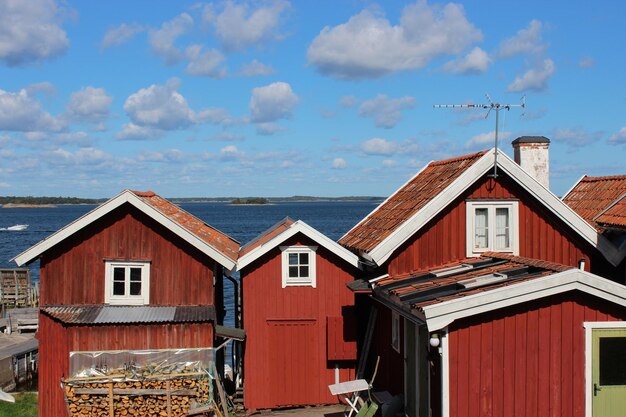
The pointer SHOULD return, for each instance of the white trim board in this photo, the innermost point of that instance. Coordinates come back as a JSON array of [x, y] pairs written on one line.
[[401, 234], [443, 314], [125, 196], [298, 227]]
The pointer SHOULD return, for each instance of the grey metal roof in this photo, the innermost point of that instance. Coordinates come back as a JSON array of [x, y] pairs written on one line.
[[106, 314], [531, 139], [230, 332]]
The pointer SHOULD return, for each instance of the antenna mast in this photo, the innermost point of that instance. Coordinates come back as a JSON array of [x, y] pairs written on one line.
[[490, 106]]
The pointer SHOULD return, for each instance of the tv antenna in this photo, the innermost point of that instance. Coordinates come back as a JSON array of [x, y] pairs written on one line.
[[490, 106]]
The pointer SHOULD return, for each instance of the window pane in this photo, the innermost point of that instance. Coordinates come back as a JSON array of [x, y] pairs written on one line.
[[135, 288], [502, 228], [304, 259], [118, 274], [304, 272], [481, 236], [118, 288], [613, 361], [293, 272], [293, 259], [135, 274]]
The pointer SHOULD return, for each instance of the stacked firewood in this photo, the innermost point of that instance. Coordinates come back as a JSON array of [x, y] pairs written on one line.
[[154, 396]]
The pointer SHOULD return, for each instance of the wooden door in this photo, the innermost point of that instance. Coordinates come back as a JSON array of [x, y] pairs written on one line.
[[294, 357], [608, 372]]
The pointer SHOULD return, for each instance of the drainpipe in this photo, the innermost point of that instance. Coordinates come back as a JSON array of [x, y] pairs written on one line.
[[236, 345]]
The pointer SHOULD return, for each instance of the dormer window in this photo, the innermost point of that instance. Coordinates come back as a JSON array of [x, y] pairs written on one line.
[[127, 282], [492, 226], [298, 266]]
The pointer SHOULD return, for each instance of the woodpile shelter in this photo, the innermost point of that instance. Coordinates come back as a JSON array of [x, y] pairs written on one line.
[[298, 315], [136, 273]]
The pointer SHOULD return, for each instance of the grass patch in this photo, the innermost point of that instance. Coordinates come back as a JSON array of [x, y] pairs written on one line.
[[25, 406]]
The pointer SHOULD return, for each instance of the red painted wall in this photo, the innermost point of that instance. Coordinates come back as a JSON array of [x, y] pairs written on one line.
[[541, 235], [526, 360], [73, 271], [56, 341], [285, 358]]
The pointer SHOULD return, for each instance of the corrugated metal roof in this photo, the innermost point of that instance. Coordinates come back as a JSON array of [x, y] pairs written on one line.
[[407, 201], [460, 279], [228, 246], [593, 195], [106, 314]]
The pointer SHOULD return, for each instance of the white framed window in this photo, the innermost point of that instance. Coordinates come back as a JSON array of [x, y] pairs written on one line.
[[298, 266], [127, 282], [395, 331], [492, 226]]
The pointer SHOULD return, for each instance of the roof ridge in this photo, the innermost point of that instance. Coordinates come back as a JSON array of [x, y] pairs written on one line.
[[285, 220], [589, 178], [143, 193], [459, 158], [530, 261]]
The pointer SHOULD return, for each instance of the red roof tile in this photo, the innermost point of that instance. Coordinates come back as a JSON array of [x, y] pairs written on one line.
[[615, 215], [593, 195], [218, 240], [267, 235], [407, 201], [429, 283]]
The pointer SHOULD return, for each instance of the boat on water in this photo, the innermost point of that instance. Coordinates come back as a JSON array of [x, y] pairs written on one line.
[[15, 227]]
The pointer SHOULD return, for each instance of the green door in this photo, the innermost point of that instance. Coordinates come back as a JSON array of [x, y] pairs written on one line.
[[608, 372]]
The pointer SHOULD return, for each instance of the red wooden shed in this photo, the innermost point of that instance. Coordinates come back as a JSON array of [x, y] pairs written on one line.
[[135, 273], [298, 316]]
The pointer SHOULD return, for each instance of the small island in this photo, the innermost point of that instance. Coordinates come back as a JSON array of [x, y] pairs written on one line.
[[249, 201]]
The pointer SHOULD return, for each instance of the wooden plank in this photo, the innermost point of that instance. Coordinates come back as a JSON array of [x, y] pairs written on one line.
[[111, 409], [168, 387], [220, 390]]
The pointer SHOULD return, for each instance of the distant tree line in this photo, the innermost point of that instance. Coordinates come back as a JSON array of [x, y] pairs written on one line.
[[47, 200], [250, 200]]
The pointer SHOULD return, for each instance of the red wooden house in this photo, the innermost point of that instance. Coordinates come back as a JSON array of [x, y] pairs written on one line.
[[298, 316], [135, 273], [465, 208]]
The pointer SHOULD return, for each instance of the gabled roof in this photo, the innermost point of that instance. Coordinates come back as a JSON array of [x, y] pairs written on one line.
[[207, 239], [442, 295], [433, 189], [284, 230], [615, 215], [592, 196]]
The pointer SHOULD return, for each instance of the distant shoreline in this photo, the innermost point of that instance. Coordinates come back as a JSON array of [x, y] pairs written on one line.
[[24, 205], [51, 202]]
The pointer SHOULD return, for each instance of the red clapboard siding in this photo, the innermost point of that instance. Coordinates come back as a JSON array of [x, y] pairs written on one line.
[[526, 360], [73, 271], [61, 340], [340, 347], [541, 235], [286, 331]]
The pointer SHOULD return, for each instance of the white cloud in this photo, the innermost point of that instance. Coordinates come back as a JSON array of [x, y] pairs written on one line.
[[586, 62], [389, 163], [88, 158], [339, 163], [205, 63], [268, 129], [619, 137], [162, 40], [230, 153], [475, 62], [255, 68], [369, 46], [90, 104], [168, 155], [30, 31], [238, 26], [272, 102], [379, 146], [385, 111], [487, 140], [160, 107], [20, 112], [218, 116], [535, 79], [577, 136], [526, 41], [121, 34], [348, 101], [131, 131]]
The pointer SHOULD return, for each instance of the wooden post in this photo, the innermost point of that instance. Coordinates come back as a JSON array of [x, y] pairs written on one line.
[[169, 398], [111, 409]]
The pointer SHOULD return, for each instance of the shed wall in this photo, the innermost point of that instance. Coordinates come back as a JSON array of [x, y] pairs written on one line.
[[541, 235], [527, 360], [73, 271], [285, 361], [60, 340]]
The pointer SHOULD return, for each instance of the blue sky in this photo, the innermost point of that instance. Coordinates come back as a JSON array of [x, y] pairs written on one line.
[[279, 98]]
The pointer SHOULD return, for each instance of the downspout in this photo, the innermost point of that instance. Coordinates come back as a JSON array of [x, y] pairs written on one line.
[[236, 350]]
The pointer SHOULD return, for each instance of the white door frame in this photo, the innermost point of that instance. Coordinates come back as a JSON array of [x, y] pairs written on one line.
[[589, 327]]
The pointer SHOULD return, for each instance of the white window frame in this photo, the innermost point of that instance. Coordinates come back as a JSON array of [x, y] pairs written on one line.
[[311, 280], [491, 206], [395, 331], [128, 299]]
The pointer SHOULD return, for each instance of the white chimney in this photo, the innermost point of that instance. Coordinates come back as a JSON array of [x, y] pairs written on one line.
[[531, 153]]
